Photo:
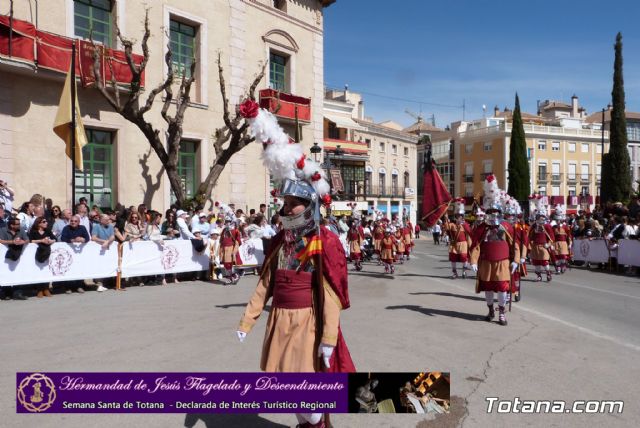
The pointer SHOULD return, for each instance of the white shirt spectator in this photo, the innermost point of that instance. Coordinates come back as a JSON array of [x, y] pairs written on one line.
[[59, 224], [195, 219], [436, 229], [268, 232], [6, 197], [185, 233], [84, 221], [26, 221]]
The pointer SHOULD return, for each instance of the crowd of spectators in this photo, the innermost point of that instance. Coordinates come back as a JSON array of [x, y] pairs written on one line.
[[41, 222]]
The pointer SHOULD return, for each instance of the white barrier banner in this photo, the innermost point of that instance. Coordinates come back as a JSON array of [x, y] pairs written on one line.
[[629, 252], [142, 258], [251, 253], [67, 262], [593, 251]]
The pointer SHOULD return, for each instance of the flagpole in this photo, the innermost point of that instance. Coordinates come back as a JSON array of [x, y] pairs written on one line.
[[73, 126]]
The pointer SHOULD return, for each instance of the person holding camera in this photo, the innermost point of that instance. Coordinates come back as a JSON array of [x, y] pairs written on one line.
[[6, 198]]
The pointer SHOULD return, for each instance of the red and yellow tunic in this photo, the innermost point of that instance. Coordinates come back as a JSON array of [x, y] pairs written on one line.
[[387, 248], [542, 240], [407, 234], [378, 235], [355, 238], [493, 249], [400, 247], [563, 241], [230, 241], [459, 242]]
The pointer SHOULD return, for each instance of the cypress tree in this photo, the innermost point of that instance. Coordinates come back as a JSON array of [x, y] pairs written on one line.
[[519, 182], [616, 181]]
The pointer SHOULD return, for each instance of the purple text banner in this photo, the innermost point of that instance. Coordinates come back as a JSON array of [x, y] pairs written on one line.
[[52, 392]]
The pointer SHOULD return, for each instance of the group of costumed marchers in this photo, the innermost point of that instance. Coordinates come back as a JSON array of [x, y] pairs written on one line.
[[392, 241], [304, 272], [498, 242]]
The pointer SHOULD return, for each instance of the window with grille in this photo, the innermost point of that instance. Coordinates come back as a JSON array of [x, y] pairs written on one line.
[[183, 46], [278, 72], [93, 18], [96, 181]]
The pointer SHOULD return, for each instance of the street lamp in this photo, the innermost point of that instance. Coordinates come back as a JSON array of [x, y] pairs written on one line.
[[315, 150]]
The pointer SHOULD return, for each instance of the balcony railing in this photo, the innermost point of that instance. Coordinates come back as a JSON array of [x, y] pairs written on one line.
[[536, 129], [468, 178], [556, 178], [286, 105], [543, 177], [41, 50], [572, 178], [386, 192], [598, 178], [585, 178]]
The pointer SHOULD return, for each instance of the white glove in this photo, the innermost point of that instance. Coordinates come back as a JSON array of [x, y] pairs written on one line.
[[474, 268], [241, 335], [522, 261], [514, 266], [547, 245], [325, 351]]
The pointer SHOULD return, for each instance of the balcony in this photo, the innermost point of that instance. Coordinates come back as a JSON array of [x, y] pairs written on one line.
[[285, 105], [356, 150], [386, 192], [599, 178], [40, 51], [556, 178], [468, 178], [585, 178], [572, 178], [543, 177]]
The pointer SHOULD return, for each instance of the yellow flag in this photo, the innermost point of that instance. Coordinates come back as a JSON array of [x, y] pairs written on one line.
[[62, 124]]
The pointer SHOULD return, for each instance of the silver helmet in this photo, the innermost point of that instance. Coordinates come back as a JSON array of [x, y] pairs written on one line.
[[307, 220]]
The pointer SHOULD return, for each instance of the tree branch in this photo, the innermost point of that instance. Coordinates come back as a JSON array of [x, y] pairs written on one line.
[[225, 100]]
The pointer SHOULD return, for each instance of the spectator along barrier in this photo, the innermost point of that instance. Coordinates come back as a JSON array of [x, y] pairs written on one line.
[[69, 262]]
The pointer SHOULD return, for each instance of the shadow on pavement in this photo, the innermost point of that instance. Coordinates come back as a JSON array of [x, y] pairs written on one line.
[[215, 420], [373, 274], [432, 312], [426, 276], [440, 293]]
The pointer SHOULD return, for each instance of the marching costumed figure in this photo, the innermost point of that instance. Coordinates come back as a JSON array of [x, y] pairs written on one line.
[[230, 241], [479, 214], [400, 247], [304, 271], [512, 213], [378, 235], [355, 237], [494, 252], [388, 247], [407, 236], [563, 239], [541, 238], [459, 240]]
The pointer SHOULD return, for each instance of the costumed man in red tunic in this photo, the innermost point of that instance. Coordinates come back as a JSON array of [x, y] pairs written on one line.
[[563, 239], [355, 237], [230, 241], [494, 253], [479, 219], [512, 211], [459, 234], [304, 271], [378, 234], [407, 235], [387, 249], [542, 240], [400, 247]]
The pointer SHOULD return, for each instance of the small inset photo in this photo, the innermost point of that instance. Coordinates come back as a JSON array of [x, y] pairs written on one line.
[[419, 392]]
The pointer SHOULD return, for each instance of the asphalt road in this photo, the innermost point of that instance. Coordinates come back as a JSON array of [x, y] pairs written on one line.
[[573, 339]]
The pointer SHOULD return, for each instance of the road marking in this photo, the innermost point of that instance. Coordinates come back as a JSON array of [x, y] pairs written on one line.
[[596, 289], [561, 321]]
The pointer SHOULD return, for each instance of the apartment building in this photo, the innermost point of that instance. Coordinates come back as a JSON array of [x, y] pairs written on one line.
[[377, 161], [119, 165], [563, 149]]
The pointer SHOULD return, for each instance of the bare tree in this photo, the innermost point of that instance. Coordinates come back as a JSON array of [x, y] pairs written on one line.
[[228, 139]]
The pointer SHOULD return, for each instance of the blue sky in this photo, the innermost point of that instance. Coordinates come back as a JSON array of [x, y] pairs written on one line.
[[442, 52]]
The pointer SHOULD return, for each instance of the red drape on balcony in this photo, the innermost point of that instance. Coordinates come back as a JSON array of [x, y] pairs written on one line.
[[53, 52]]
